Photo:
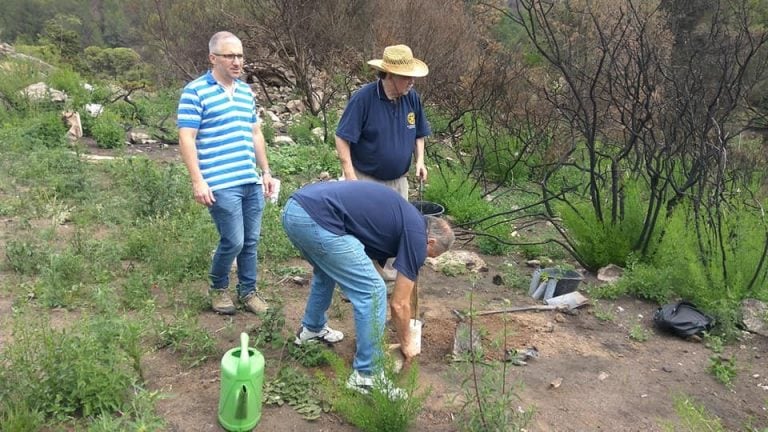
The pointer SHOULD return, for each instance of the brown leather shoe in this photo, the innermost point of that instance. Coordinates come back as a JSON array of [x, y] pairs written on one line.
[[221, 302], [254, 303]]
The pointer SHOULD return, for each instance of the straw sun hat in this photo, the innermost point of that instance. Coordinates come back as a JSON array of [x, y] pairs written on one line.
[[399, 60]]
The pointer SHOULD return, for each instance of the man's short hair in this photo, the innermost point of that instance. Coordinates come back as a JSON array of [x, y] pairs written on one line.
[[219, 37], [441, 231]]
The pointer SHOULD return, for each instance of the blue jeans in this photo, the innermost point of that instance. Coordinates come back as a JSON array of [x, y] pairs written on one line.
[[237, 215], [340, 259]]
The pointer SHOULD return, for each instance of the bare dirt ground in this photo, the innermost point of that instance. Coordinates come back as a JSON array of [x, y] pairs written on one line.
[[608, 381]]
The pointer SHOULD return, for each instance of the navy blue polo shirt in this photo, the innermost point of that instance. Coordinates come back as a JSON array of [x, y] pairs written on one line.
[[386, 224], [382, 133]]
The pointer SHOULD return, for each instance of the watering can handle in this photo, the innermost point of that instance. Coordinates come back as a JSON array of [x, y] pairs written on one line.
[[244, 365]]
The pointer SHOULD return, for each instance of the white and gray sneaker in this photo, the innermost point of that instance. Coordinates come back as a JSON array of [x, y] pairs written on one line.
[[327, 335], [365, 383]]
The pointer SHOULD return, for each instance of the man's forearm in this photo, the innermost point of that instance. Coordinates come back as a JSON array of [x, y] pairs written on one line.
[[345, 157], [188, 152], [400, 307], [419, 150]]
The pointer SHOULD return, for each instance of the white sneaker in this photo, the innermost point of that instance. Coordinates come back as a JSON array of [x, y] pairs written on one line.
[[327, 335], [365, 383]]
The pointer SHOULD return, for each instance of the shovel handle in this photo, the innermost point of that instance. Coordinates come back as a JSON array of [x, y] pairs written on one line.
[[415, 299]]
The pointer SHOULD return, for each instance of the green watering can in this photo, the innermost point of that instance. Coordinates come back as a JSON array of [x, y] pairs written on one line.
[[242, 376]]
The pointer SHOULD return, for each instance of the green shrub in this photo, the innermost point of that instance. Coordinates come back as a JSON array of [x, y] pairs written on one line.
[[26, 256], [68, 81], [46, 130], [600, 243], [15, 75], [175, 248], [376, 411], [62, 280], [108, 131], [267, 129], [500, 157], [184, 336], [155, 190], [304, 161], [463, 200], [73, 372], [301, 130], [717, 279]]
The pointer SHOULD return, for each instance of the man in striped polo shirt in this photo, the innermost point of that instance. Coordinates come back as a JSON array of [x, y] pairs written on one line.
[[221, 143]]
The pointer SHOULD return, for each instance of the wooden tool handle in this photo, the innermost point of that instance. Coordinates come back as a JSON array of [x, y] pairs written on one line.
[[415, 300]]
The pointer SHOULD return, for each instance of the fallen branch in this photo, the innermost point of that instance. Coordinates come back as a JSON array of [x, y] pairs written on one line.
[[524, 309]]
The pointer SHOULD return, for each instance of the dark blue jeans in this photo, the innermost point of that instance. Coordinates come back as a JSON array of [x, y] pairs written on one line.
[[237, 214]]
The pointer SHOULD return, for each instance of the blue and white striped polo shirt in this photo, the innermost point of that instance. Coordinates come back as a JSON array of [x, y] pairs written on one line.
[[224, 131]]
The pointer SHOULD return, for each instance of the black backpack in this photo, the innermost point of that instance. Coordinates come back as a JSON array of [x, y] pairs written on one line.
[[682, 319]]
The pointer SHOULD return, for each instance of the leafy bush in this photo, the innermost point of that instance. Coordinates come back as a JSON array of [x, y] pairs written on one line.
[[600, 243], [376, 411], [301, 130], [68, 81], [155, 189], [183, 335], [26, 256], [46, 130], [716, 281], [308, 161], [108, 131], [75, 372], [500, 158], [175, 248], [114, 63], [463, 200], [15, 75]]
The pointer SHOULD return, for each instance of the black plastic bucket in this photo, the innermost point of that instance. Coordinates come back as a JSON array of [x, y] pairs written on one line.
[[428, 208]]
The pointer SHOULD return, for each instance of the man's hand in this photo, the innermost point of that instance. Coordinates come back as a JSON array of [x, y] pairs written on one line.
[[203, 194], [269, 184], [421, 172]]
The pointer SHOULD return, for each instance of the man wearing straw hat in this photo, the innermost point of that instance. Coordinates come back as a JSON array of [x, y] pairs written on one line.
[[383, 126]]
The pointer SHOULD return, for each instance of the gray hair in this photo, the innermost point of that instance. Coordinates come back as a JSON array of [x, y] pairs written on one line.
[[441, 231], [220, 37]]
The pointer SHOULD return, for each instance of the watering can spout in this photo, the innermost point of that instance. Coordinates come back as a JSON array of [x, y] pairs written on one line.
[[241, 412]]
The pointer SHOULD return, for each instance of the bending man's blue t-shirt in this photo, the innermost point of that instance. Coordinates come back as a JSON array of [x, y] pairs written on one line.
[[386, 224]]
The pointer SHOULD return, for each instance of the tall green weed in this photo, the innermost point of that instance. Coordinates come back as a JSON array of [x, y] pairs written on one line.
[[80, 371], [500, 154], [463, 200], [600, 243], [716, 278]]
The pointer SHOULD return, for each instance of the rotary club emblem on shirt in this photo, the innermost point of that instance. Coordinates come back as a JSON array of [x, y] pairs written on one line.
[[411, 118]]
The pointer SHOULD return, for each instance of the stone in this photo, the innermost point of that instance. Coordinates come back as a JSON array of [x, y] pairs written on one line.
[[295, 106], [75, 131], [458, 258], [755, 315], [40, 91], [283, 140], [94, 110], [610, 273], [138, 137]]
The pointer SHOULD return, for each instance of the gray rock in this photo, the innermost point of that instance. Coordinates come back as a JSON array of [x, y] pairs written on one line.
[[755, 315], [610, 273]]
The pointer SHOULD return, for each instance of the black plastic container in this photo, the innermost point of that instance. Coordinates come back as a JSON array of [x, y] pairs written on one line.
[[429, 208]]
